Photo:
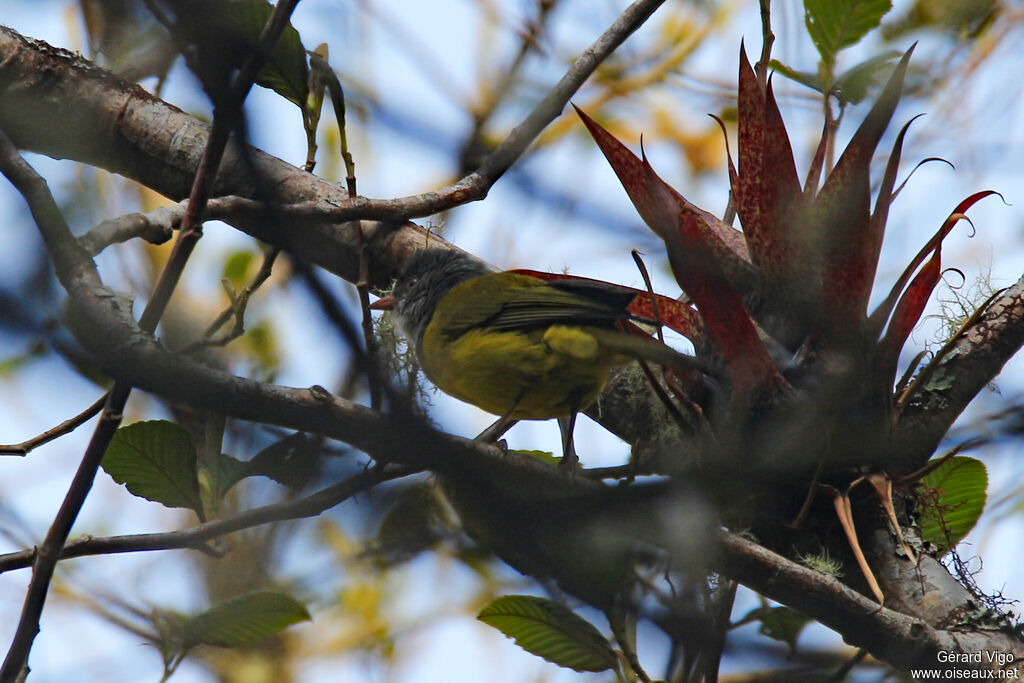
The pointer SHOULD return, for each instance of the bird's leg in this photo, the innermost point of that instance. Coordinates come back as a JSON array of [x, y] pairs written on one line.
[[501, 425], [497, 430], [569, 458], [570, 461]]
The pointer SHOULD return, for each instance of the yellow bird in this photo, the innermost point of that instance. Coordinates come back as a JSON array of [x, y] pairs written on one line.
[[515, 345]]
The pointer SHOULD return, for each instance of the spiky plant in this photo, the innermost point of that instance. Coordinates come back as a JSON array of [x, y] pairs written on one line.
[[807, 395]]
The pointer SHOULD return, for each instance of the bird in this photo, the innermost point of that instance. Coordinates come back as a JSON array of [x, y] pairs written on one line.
[[516, 345]]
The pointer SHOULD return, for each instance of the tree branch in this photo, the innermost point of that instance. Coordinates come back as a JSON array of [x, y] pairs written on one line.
[[155, 227], [903, 641], [975, 361], [120, 127], [65, 427], [196, 536], [67, 255]]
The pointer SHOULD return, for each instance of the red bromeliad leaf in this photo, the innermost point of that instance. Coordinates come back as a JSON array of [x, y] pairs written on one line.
[[905, 317], [728, 243], [768, 184], [817, 163], [842, 213], [734, 178], [878, 318], [876, 231], [672, 313], [727, 323]]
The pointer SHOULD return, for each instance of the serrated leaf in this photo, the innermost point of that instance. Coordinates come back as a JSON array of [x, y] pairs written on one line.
[[835, 24], [243, 620], [953, 500], [238, 24], [155, 460], [550, 630]]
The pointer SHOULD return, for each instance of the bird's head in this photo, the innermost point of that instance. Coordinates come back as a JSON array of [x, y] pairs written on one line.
[[426, 277]]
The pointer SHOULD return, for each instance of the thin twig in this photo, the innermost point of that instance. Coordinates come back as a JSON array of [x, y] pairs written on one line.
[[476, 185], [194, 537], [373, 378], [498, 89], [65, 427], [642, 267], [847, 667], [551, 106], [236, 309], [767, 40]]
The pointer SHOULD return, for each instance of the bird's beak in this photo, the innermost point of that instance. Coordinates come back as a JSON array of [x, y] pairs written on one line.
[[385, 303]]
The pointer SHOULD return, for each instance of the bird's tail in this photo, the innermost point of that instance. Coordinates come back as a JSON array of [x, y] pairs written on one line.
[[646, 348]]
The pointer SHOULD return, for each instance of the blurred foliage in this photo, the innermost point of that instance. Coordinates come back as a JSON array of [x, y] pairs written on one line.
[[962, 19]]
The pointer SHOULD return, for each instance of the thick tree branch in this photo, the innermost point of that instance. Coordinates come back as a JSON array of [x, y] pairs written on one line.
[[903, 641], [976, 360]]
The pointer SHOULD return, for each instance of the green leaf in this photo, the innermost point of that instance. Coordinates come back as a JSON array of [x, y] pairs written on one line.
[[952, 500], [155, 460], [550, 630], [811, 80], [237, 267], [285, 71], [417, 521], [292, 461], [854, 84], [227, 471], [546, 457], [243, 620], [779, 623], [261, 342], [835, 24]]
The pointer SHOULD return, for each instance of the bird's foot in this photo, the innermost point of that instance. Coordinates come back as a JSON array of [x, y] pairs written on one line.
[[570, 462]]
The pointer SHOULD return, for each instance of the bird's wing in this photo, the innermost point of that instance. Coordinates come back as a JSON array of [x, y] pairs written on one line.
[[528, 303]]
